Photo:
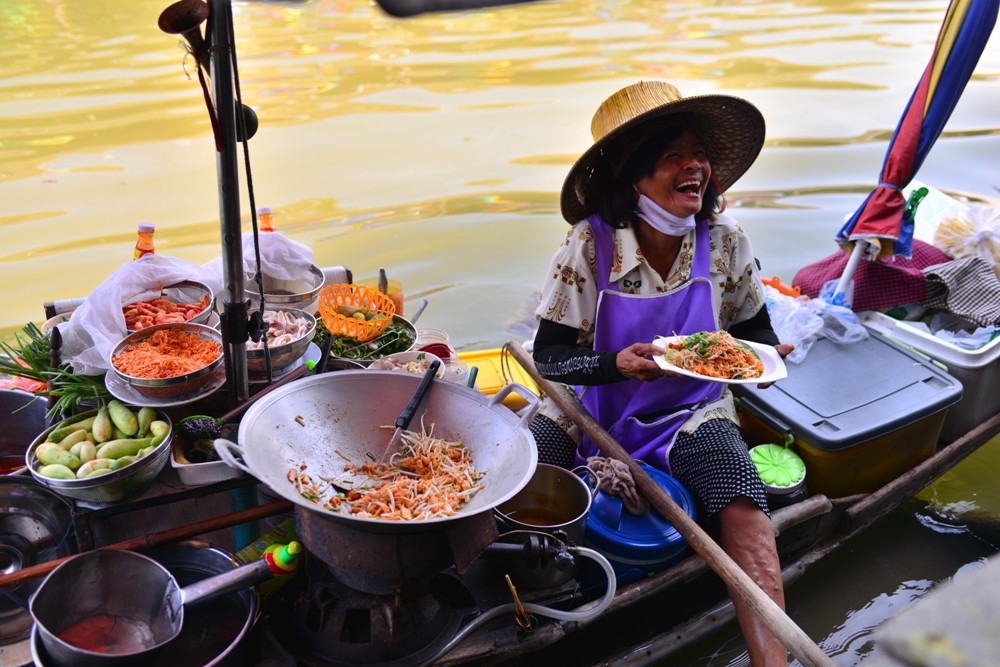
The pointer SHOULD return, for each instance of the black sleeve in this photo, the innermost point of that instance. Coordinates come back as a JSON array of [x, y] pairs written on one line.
[[757, 329], [558, 357]]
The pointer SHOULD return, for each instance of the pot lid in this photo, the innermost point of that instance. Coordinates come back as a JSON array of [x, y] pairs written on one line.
[[611, 528]]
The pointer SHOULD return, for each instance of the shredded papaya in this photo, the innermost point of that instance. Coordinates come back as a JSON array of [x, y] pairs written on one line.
[[715, 354]]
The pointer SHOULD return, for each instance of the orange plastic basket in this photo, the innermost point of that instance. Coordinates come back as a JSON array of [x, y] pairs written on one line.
[[336, 303]]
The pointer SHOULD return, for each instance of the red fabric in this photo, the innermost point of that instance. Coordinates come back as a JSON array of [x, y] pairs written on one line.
[[878, 284]]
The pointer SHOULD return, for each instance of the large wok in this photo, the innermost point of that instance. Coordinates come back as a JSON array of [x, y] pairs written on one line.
[[310, 420]]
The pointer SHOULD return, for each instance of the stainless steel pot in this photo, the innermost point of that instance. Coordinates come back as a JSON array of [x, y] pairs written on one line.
[[111, 608], [319, 421]]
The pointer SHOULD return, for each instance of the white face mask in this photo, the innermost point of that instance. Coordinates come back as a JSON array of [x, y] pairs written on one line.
[[661, 219]]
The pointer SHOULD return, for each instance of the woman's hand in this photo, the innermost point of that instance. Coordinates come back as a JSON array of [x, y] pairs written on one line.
[[783, 351], [634, 362]]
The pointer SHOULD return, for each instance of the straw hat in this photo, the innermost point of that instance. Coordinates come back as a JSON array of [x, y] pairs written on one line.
[[730, 128]]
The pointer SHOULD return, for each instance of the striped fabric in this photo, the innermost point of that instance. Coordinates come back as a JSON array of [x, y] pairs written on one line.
[[967, 287]]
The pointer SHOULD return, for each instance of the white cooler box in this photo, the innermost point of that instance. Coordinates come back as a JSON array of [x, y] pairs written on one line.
[[977, 370]]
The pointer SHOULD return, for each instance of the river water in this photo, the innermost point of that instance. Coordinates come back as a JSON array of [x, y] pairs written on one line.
[[436, 147]]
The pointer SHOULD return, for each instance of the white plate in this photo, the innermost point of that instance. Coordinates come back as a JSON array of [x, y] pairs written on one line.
[[774, 366], [128, 395], [312, 353]]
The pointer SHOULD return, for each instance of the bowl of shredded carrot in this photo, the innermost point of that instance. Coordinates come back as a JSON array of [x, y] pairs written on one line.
[[169, 361]]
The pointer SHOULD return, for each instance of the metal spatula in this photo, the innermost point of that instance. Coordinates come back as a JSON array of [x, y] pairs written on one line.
[[406, 416]]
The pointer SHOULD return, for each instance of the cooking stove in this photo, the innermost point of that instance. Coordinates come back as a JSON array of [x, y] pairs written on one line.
[[325, 623], [392, 599]]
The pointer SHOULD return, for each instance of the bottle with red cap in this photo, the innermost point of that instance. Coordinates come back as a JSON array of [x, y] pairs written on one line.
[[144, 244], [265, 219]]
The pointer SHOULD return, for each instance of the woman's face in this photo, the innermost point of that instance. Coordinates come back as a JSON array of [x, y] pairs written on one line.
[[679, 177]]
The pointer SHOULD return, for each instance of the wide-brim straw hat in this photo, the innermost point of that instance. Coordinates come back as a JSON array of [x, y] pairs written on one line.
[[730, 128]]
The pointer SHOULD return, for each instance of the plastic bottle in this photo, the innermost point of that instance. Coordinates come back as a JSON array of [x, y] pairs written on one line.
[[283, 560], [266, 223], [144, 244]]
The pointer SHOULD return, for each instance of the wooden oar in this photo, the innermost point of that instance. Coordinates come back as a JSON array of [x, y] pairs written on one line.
[[791, 635], [155, 539]]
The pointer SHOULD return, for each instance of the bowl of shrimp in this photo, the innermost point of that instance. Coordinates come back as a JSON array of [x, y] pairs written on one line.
[[289, 332], [185, 301]]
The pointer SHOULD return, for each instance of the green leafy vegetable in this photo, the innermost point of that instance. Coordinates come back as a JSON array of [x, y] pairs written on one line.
[[32, 347]]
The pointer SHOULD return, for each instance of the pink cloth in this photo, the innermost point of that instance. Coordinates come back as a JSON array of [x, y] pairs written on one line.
[[879, 284]]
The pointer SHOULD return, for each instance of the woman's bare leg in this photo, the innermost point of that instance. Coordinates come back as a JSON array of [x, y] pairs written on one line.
[[748, 537]]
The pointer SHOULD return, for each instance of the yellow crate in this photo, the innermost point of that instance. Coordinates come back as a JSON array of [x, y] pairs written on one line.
[[496, 372]]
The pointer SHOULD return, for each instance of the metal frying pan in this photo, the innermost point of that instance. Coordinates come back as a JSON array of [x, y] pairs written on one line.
[[112, 608]]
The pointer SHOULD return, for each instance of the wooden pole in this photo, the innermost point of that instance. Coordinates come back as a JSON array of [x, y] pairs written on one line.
[[791, 635], [162, 537]]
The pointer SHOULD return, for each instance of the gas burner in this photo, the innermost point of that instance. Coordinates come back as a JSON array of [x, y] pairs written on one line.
[[325, 623]]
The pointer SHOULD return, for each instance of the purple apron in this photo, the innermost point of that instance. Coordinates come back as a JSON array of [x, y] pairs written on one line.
[[644, 417]]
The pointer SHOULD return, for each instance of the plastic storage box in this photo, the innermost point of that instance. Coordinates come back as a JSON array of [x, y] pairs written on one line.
[[977, 370], [497, 371], [859, 414]]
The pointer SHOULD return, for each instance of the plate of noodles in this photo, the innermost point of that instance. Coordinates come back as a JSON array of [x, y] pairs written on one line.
[[718, 357]]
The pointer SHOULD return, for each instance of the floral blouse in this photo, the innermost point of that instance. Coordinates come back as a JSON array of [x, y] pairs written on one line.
[[569, 294]]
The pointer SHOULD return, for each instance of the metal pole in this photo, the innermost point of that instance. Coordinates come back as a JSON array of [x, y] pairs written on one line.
[[235, 303]]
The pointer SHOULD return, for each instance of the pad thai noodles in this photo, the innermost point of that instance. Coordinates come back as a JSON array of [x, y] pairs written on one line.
[[715, 354], [428, 478]]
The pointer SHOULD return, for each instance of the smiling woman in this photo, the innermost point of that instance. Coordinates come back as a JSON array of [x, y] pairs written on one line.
[[437, 147]]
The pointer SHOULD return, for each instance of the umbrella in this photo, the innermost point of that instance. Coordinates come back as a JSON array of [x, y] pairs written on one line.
[[883, 225]]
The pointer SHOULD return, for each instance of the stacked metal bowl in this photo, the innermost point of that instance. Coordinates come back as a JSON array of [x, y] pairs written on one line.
[[301, 294], [188, 292]]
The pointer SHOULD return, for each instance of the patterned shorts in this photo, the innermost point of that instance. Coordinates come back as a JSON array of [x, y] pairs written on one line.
[[712, 463]]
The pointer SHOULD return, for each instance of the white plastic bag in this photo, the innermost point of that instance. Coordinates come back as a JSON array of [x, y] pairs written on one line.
[[973, 231], [281, 258], [99, 324], [793, 321]]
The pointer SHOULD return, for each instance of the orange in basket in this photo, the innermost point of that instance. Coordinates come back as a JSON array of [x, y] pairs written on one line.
[[342, 308]]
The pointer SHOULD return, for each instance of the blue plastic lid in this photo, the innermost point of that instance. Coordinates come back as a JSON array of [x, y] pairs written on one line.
[[619, 534]]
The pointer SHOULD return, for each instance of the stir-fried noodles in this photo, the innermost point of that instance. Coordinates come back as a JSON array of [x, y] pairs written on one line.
[[428, 478], [715, 354]]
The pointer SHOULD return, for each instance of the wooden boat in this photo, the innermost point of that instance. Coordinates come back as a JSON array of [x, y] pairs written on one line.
[[688, 598]]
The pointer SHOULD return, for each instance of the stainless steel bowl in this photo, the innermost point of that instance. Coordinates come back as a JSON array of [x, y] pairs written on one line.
[[179, 386], [188, 291], [283, 356], [36, 526], [110, 487], [281, 294], [23, 418]]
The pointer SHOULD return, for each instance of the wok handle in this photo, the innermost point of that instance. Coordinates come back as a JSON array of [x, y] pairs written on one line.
[[222, 446], [533, 401], [233, 580]]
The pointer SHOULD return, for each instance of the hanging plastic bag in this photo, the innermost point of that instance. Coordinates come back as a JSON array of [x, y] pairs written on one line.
[[793, 321], [840, 324], [281, 258], [972, 231], [98, 324]]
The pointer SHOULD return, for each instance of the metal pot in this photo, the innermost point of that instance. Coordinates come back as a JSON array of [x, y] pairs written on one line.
[[555, 501], [121, 603], [320, 421], [36, 526], [23, 417]]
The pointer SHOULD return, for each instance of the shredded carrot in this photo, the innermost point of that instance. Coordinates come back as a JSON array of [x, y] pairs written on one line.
[[166, 354]]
